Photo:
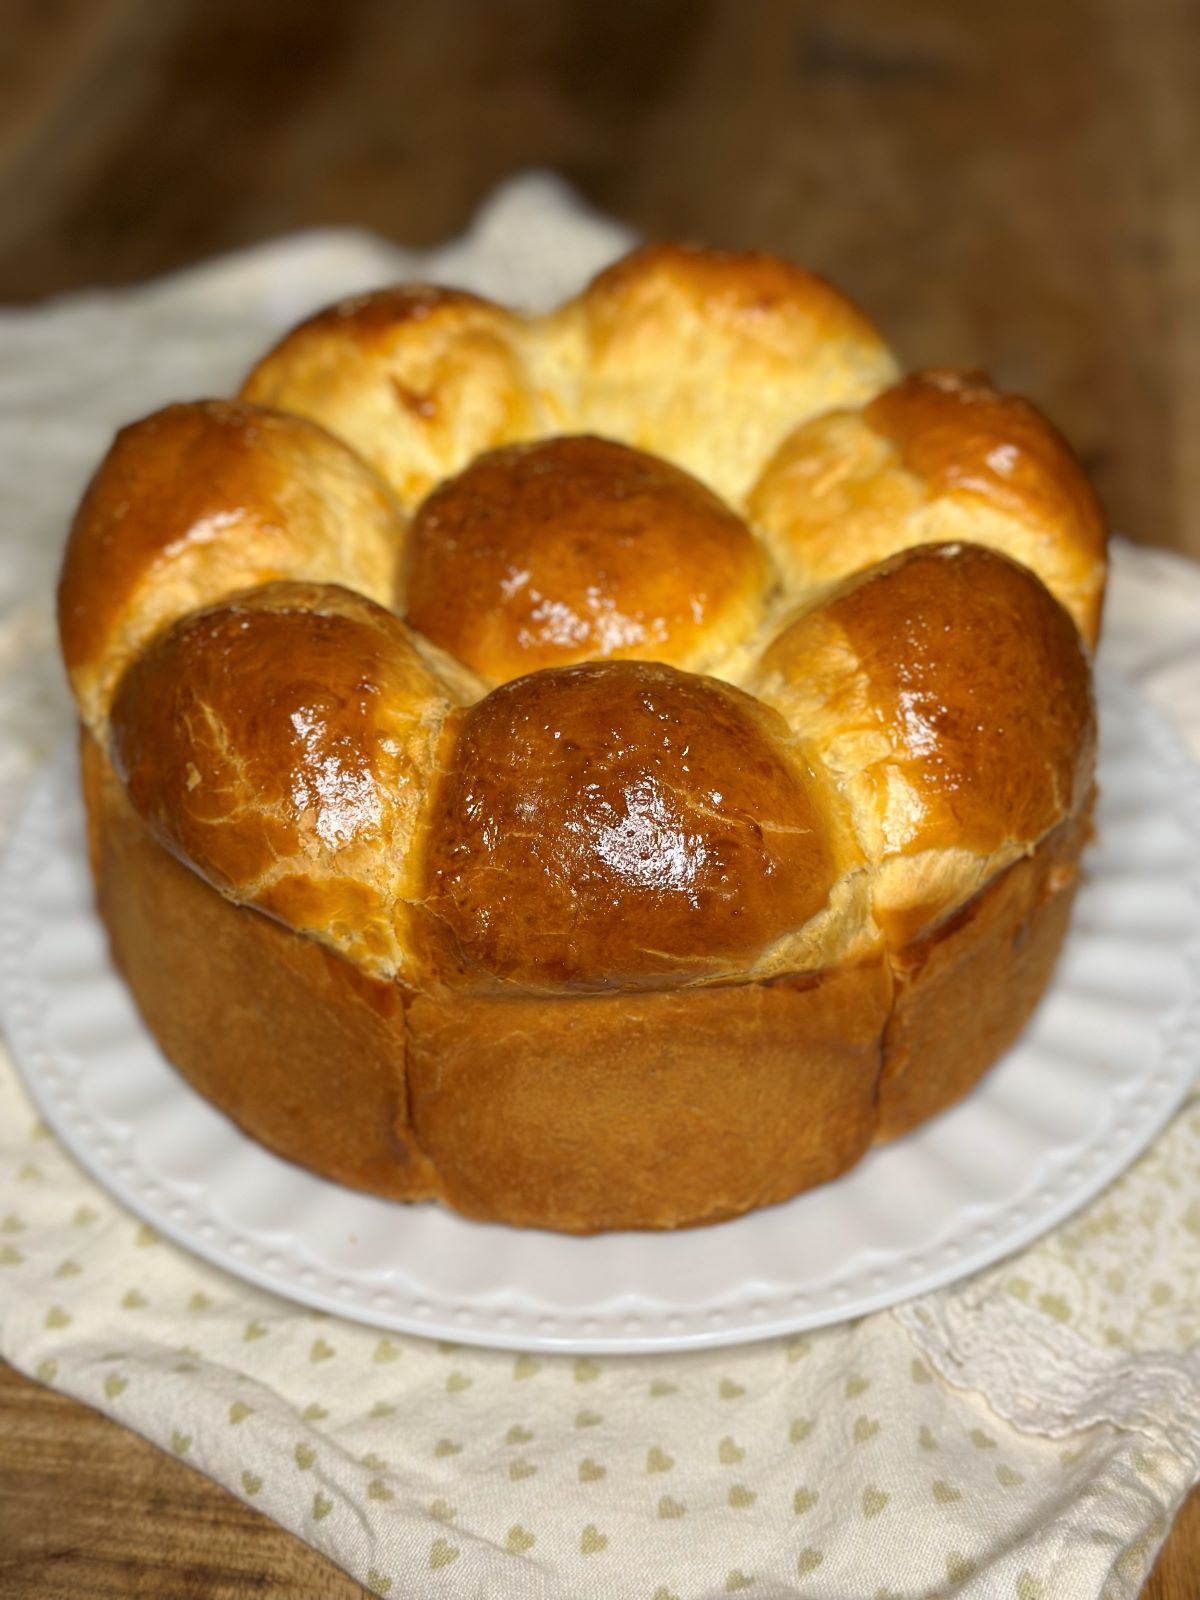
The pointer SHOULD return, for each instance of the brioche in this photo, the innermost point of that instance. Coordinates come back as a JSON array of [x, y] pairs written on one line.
[[598, 770]]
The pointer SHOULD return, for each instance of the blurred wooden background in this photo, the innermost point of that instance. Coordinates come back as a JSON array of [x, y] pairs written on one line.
[[1008, 186], [1012, 186]]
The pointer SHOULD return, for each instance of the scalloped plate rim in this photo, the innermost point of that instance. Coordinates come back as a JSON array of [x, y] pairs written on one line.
[[509, 1318]]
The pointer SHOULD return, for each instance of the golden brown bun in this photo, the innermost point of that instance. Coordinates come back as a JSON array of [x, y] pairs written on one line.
[[941, 456], [418, 379], [198, 501], [950, 695], [624, 824], [285, 743], [576, 549], [707, 357], [674, 846]]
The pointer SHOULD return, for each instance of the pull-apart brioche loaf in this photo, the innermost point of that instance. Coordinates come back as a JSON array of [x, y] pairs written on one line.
[[599, 770]]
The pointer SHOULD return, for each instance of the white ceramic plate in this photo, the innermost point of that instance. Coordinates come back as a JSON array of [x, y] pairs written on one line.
[[1109, 1055]]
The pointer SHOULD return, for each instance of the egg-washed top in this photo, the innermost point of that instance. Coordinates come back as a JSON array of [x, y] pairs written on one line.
[[666, 639]]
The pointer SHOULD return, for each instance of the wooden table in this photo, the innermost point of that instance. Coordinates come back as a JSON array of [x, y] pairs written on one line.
[[1011, 187]]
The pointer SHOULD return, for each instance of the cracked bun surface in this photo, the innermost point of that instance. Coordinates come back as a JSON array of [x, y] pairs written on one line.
[[625, 824], [596, 770]]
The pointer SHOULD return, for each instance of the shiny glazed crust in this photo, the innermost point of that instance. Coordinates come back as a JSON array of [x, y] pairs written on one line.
[[484, 808]]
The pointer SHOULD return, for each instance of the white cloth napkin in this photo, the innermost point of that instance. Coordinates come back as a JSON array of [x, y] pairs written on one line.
[[1028, 1433]]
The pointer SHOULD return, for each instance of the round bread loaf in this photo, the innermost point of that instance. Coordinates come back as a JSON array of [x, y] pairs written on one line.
[[599, 770]]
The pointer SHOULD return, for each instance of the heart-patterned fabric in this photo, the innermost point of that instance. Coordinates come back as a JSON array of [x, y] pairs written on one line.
[[1028, 1433]]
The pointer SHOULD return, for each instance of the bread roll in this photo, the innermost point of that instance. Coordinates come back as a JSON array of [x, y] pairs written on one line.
[[600, 770]]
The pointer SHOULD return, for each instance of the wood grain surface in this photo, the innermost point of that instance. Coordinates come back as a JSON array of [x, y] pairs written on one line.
[[89, 1511], [1011, 187]]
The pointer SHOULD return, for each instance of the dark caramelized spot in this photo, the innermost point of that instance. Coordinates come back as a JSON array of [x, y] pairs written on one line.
[[624, 822], [978, 677], [574, 549]]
